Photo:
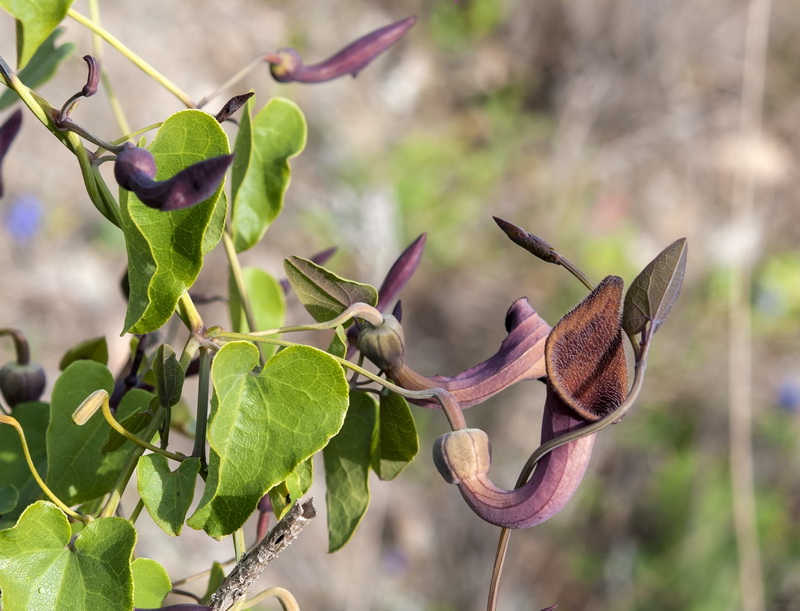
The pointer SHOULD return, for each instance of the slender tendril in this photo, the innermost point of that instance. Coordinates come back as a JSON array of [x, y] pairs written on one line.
[[50, 494]]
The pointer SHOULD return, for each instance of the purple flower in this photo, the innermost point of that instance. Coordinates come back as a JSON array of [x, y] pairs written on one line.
[[287, 66], [8, 131], [135, 170]]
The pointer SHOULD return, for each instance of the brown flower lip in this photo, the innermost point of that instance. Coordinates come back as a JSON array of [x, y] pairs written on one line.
[[287, 66], [135, 170], [587, 378]]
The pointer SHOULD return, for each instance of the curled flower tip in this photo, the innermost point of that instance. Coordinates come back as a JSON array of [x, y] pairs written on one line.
[[8, 132], [232, 105], [286, 65], [93, 79], [135, 170], [533, 244], [584, 354]]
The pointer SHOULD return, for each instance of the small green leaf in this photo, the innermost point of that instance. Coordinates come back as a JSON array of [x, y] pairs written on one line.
[[264, 425], [261, 167], [396, 442], [324, 294], [42, 66], [169, 376], [166, 249], [167, 494], [215, 579], [284, 495], [41, 569], [14, 471], [77, 470], [655, 290], [151, 583], [347, 458], [36, 20], [95, 349], [266, 300], [338, 345]]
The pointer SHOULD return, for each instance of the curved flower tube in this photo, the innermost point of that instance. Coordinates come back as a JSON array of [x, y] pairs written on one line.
[[135, 170], [520, 357], [286, 65], [464, 458], [587, 378]]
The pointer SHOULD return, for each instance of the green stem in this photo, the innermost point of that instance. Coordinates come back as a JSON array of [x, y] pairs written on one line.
[[241, 287], [133, 459], [136, 511], [96, 187], [50, 494], [201, 418], [285, 598], [449, 404], [231, 81], [189, 314], [132, 57], [239, 545]]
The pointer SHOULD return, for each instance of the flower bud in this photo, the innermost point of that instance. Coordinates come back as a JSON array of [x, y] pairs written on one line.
[[385, 344], [462, 455], [21, 383]]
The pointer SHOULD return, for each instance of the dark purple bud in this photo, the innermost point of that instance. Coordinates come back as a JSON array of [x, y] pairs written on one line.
[[400, 272], [8, 132], [232, 105], [286, 65], [93, 79], [135, 170], [532, 243]]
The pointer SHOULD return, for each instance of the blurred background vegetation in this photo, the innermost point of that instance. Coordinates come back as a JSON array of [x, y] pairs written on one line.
[[608, 127]]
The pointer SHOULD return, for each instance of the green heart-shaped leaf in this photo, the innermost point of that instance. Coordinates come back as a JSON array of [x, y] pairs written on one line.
[[261, 172], [347, 458], [264, 425], [167, 494], [95, 349], [41, 569], [166, 249]]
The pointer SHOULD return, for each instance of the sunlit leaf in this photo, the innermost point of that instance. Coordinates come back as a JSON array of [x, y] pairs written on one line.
[[14, 471], [165, 249], [41, 569], [36, 20], [347, 459], [264, 425], [284, 495], [324, 294], [655, 290], [151, 583], [95, 349], [396, 443], [261, 172], [167, 494], [77, 470], [41, 67]]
